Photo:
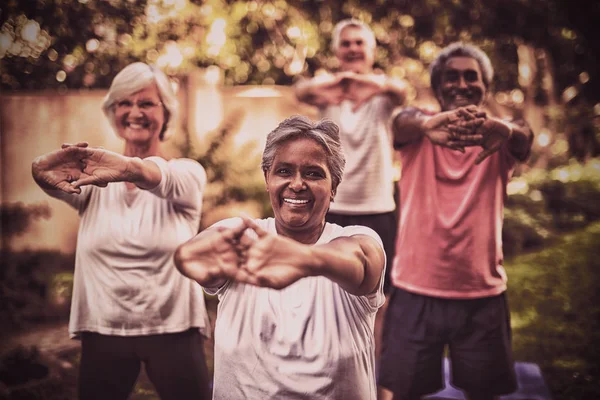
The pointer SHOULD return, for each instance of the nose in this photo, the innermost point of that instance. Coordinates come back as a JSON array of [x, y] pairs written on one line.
[[135, 110], [462, 83], [297, 183]]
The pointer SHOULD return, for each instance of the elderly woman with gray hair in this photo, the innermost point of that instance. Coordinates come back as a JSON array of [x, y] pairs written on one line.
[[298, 296], [130, 304]]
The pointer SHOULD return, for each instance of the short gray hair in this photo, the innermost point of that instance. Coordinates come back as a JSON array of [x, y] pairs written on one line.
[[343, 24], [134, 78], [324, 132], [460, 49]]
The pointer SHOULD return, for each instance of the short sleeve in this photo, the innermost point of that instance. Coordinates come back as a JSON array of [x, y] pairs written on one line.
[[182, 182], [376, 299]]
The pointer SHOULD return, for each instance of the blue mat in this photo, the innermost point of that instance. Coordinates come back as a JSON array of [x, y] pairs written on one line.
[[529, 377]]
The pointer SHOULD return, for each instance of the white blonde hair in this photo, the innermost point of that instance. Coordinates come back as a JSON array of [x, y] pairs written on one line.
[[352, 22], [136, 77]]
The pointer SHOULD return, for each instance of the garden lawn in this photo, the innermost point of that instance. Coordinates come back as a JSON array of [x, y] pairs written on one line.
[[554, 296]]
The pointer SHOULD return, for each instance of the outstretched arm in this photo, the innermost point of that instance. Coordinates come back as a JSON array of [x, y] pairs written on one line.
[[103, 167], [520, 140], [321, 90], [57, 169], [363, 87], [356, 263], [213, 256], [454, 129], [495, 132]]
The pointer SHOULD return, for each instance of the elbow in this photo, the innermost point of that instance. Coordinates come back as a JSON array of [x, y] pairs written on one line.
[[179, 259]]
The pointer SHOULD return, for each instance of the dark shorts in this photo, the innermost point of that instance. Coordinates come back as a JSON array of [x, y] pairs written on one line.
[[386, 226], [416, 330], [174, 363]]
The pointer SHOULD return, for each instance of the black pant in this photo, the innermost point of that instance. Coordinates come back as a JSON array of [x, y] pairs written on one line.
[[174, 363]]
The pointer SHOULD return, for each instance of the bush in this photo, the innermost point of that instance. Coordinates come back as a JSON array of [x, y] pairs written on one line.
[[555, 302], [35, 288], [543, 204]]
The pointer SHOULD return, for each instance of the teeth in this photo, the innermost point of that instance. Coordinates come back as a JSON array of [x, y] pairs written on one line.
[[295, 201], [134, 125]]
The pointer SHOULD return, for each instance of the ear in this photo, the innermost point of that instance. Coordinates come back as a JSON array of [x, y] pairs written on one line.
[[266, 175], [332, 195]]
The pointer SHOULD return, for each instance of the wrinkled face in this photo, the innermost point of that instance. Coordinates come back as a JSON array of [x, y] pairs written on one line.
[[461, 84], [354, 53], [140, 117], [300, 188]]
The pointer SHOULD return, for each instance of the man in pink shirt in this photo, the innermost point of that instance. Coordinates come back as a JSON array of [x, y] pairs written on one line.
[[449, 283]]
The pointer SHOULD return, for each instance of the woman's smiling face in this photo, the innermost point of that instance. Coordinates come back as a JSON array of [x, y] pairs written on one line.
[[300, 188], [140, 117]]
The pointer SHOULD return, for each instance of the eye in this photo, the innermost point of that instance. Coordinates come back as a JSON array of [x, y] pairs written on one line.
[[471, 76], [345, 43], [451, 76], [282, 171], [359, 42], [146, 104], [315, 174], [124, 104]]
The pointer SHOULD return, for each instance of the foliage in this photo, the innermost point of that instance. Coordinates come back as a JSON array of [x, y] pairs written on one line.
[[15, 218], [555, 306], [54, 43], [543, 204], [234, 181], [35, 288]]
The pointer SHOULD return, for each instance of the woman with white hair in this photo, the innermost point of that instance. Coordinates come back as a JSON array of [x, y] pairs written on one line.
[[130, 305], [297, 295]]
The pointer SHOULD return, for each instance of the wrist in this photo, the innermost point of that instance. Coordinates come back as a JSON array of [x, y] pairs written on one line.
[[133, 169], [315, 265]]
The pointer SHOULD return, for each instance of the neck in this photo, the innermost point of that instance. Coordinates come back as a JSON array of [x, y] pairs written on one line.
[[304, 237], [142, 150]]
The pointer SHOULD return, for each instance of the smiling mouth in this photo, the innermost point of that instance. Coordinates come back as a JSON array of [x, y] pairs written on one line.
[[135, 125], [295, 201], [357, 57]]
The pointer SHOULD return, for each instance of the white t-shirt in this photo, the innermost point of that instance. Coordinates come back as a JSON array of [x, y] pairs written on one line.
[[125, 280], [311, 340], [368, 183]]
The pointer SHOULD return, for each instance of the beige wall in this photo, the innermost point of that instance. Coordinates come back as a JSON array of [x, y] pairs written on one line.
[[36, 123]]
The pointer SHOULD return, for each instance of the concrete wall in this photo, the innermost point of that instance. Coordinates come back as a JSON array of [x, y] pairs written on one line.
[[32, 124]]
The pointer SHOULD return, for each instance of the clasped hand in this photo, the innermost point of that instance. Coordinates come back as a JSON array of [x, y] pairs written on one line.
[[76, 165], [467, 126], [246, 253], [358, 88]]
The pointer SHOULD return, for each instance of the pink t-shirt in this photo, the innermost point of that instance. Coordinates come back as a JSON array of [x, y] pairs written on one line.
[[450, 236]]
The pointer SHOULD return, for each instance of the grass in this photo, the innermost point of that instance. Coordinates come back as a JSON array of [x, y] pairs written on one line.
[[555, 301]]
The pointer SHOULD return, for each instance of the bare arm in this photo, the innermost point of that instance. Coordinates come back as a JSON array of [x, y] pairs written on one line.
[[355, 263], [408, 126], [454, 129], [321, 90], [520, 140], [103, 167], [212, 257], [364, 86], [57, 169], [495, 132]]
